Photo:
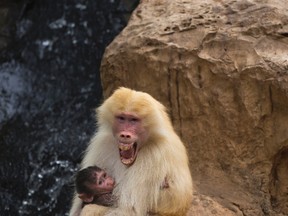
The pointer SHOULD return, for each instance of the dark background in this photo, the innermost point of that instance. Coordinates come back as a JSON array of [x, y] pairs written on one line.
[[50, 54]]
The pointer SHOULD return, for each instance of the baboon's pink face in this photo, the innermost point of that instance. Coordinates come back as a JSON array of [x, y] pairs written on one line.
[[130, 135]]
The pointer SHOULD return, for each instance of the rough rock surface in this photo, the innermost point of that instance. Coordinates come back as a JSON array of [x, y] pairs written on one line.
[[221, 68]]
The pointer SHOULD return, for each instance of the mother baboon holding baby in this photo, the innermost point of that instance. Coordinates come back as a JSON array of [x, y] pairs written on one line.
[[137, 145]]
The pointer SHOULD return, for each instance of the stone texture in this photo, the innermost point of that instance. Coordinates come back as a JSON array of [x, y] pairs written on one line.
[[221, 68], [3, 26]]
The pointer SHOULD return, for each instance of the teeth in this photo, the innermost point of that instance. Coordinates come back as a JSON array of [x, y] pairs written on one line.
[[127, 161], [124, 147]]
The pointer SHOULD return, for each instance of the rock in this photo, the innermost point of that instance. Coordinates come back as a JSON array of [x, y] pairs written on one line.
[[221, 68]]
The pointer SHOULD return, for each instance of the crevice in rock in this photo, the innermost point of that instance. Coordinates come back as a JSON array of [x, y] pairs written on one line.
[[178, 102], [239, 208], [279, 182], [271, 99]]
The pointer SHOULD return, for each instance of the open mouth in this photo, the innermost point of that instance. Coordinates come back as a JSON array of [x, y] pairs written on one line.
[[128, 152]]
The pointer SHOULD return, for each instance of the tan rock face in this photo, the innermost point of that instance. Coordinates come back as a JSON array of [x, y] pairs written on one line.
[[221, 68]]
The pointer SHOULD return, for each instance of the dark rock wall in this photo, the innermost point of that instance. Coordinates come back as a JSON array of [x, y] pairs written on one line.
[[50, 54]]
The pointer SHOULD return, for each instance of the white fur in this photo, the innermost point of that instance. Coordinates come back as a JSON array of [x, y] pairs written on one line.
[[138, 186]]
